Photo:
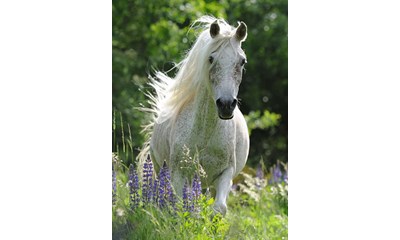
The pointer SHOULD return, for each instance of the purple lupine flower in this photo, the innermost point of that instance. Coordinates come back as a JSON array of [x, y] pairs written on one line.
[[166, 194], [260, 173], [133, 183], [276, 174], [147, 180], [196, 187], [155, 191], [259, 176], [187, 197], [196, 192], [285, 177], [114, 185], [172, 200], [162, 193], [168, 187]]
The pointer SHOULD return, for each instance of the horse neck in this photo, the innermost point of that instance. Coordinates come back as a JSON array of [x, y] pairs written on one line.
[[205, 110]]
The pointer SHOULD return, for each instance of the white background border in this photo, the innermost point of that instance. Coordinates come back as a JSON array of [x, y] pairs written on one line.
[[55, 99]]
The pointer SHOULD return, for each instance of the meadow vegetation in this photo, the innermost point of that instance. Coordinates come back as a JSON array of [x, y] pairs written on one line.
[[144, 206]]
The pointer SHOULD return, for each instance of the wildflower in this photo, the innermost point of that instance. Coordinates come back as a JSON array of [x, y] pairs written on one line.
[[133, 183], [187, 197], [163, 185], [114, 185], [259, 176], [285, 177], [196, 192], [165, 192], [276, 174], [161, 194], [155, 191], [196, 187], [172, 200], [147, 180], [260, 173], [167, 181]]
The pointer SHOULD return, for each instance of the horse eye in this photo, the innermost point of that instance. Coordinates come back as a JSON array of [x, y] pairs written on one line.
[[243, 62], [211, 59]]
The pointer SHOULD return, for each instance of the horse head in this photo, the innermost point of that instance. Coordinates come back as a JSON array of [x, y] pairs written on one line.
[[226, 67]]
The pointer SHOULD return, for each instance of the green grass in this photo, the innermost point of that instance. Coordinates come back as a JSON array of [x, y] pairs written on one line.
[[252, 214]]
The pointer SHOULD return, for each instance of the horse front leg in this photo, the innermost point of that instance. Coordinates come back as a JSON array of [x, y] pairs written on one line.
[[223, 186]]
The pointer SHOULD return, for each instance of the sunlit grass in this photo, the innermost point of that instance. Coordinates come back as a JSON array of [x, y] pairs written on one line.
[[255, 211]]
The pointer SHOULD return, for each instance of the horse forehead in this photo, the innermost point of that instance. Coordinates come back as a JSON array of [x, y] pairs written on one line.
[[230, 53], [233, 48]]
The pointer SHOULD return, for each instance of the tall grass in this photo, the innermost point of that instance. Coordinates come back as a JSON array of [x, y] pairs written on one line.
[[256, 210]]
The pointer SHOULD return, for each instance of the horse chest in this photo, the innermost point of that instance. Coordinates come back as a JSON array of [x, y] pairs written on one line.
[[216, 157], [213, 141]]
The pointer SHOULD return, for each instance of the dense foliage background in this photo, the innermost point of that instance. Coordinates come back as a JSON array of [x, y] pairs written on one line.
[[148, 35]]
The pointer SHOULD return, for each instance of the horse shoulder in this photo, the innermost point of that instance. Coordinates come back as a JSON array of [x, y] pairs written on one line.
[[159, 143], [242, 141]]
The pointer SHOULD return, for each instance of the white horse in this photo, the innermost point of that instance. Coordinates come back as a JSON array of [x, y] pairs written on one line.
[[198, 110]]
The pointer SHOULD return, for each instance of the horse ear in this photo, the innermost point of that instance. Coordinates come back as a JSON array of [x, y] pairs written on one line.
[[214, 29], [241, 32]]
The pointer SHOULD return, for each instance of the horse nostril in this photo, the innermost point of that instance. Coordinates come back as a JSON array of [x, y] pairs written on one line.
[[219, 103], [226, 104], [233, 104]]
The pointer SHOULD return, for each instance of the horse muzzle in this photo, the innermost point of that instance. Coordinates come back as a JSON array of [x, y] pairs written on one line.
[[226, 108]]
